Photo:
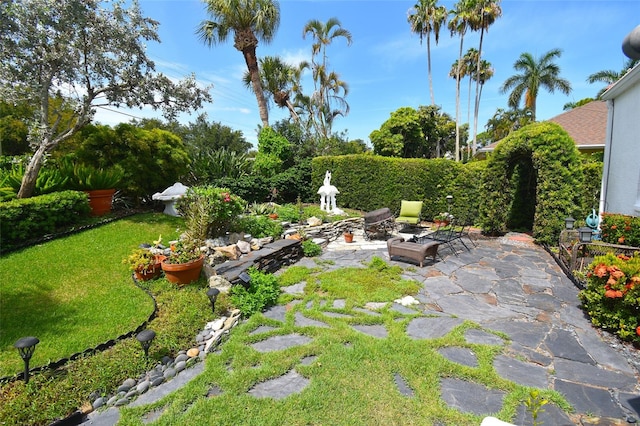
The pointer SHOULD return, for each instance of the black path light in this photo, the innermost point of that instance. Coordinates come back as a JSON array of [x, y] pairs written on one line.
[[26, 346], [145, 337], [245, 279], [449, 202], [568, 222], [212, 294], [585, 234]]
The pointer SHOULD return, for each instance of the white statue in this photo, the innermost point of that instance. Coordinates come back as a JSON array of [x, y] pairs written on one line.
[[328, 195]]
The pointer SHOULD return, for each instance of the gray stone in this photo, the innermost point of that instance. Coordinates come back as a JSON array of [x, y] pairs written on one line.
[[482, 337], [630, 401], [280, 387], [563, 344], [586, 399], [378, 331], [143, 387], [277, 313], [302, 321], [601, 352], [121, 402], [458, 355], [113, 399], [471, 397], [550, 414], [592, 375], [180, 366], [529, 334], [181, 357], [277, 343], [339, 304], [169, 373], [295, 289], [98, 403], [308, 360], [262, 329], [431, 328], [522, 373], [157, 381], [402, 385]]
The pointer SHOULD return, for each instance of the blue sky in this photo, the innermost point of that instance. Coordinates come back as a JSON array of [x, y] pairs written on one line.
[[386, 66]]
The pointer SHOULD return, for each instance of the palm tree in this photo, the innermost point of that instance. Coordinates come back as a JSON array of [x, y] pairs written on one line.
[[534, 73], [250, 21], [426, 17], [327, 84], [278, 80], [610, 76], [486, 13], [459, 24], [469, 66]]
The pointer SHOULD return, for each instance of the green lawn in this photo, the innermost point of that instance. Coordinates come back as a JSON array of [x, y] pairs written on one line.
[[74, 293]]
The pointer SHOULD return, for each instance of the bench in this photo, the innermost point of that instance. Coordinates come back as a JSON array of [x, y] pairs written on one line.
[[378, 221], [397, 246]]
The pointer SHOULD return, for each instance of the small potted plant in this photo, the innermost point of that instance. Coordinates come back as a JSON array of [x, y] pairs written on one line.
[[145, 264], [348, 235], [442, 219], [184, 263]]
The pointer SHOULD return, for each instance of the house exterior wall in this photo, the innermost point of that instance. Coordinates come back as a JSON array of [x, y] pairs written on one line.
[[621, 174]]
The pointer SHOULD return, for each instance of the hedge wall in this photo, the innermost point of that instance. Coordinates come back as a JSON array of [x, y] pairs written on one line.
[[368, 182], [32, 218]]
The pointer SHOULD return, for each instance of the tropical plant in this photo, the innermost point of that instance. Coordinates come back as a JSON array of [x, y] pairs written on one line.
[[486, 13], [534, 73], [278, 79], [273, 152], [209, 211], [100, 59], [611, 76], [86, 178], [328, 98], [427, 17], [250, 21]]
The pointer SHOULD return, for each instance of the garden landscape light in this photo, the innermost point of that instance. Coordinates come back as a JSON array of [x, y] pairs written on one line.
[[585, 234], [449, 202], [245, 278], [145, 337], [26, 346], [212, 294], [568, 222]]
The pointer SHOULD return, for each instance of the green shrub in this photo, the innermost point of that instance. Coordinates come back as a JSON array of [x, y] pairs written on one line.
[[259, 226], [311, 249], [209, 212], [612, 295], [620, 229], [263, 291], [26, 219]]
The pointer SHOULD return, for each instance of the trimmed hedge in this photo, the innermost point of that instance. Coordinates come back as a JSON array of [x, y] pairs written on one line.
[[32, 218], [369, 182], [544, 155]]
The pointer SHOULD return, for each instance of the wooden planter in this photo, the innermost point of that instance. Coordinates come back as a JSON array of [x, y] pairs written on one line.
[[183, 273], [100, 201]]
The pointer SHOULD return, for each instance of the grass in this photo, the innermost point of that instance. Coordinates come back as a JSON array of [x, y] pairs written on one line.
[[352, 376], [57, 393], [74, 293]]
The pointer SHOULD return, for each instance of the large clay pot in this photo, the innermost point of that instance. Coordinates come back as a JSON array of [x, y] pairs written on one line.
[[100, 201], [183, 273]]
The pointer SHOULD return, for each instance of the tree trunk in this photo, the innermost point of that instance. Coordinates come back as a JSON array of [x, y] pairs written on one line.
[[28, 185], [457, 157], [433, 100], [246, 42], [477, 101]]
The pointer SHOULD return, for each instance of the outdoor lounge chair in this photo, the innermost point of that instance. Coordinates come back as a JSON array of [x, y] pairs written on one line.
[[377, 222], [397, 246], [409, 212]]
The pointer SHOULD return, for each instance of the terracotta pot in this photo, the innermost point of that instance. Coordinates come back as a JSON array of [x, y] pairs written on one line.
[[100, 201], [149, 273], [273, 216], [183, 273], [348, 238]]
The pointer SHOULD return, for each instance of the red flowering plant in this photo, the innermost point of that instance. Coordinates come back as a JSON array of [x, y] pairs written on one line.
[[612, 295], [620, 229]]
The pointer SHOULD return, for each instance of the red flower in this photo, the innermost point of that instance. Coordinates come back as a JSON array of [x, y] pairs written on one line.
[[638, 330], [623, 257], [621, 240], [600, 271], [613, 294], [614, 226]]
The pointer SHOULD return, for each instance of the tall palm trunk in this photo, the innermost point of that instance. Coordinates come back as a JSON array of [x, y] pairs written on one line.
[[433, 99], [246, 42], [458, 71], [477, 101]]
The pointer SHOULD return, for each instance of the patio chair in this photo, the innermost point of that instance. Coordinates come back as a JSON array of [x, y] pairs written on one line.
[[409, 212]]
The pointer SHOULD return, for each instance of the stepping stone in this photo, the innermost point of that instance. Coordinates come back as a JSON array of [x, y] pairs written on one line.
[[471, 397], [522, 373], [431, 328], [336, 315], [295, 289], [601, 352], [302, 321], [214, 391], [404, 310], [529, 334], [481, 337], [378, 331], [278, 343], [277, 313], [308, 360], [474, 307], [630, 401], [367, 311], [151, 416], [339, 304], [552, 415], [262, 329], [593, 375], [280, 387], [458, 355], [472, 282], [402, 385], [585, 399]]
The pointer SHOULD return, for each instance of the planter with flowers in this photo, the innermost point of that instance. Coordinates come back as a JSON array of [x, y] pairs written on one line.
[[443, 219], [612, 295], [144, 264], [184, 263]]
